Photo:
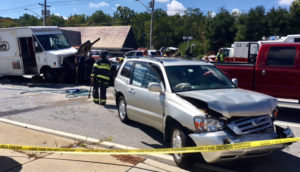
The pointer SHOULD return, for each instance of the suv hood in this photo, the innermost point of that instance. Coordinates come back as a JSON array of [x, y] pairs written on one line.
[[234, 102]]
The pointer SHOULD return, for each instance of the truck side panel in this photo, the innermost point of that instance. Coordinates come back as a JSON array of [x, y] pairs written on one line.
[[10, 61], [243, 72], [277, 72]]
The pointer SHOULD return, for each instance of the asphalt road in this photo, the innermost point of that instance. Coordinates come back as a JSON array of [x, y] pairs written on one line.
[[51, 109]]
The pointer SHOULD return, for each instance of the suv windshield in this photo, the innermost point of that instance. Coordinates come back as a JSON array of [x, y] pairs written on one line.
[[196, 77], [53, 41]]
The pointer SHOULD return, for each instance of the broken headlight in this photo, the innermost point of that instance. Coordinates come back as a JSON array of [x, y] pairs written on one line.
[[208, 124]]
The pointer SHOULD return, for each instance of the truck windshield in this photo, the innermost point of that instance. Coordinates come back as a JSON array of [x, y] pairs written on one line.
[[196, 77], [53, 41]]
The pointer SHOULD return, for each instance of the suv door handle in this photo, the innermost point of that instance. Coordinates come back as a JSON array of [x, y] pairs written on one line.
[[263, 72], [131, 91]]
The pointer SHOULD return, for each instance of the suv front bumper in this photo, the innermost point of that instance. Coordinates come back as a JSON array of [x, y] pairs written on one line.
[[222, 137]]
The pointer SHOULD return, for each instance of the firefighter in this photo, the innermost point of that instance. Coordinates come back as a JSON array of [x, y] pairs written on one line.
[[100, 77]]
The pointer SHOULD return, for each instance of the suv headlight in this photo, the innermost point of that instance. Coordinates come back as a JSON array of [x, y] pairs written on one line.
[[207, 124]]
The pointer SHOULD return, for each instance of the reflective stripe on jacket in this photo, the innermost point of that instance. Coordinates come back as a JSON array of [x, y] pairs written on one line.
[[101, 70]]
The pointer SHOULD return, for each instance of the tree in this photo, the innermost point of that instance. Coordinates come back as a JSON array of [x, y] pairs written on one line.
[[221, 30], [277, 21], [55, 20], [141, 28], [241, 27], [76, 20], [124, 15], [98, 18], [29, 20], [8, 22], [295, 17]]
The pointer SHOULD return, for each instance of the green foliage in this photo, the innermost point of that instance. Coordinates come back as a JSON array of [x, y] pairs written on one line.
[[210, 31], [76, 20], [99, 19], [29, 20], [295, 17], [55, 20], [124, 15], [8, 22], [221, 30]]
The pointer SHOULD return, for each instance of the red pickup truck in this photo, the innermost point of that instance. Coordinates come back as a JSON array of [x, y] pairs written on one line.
[[276, 71]]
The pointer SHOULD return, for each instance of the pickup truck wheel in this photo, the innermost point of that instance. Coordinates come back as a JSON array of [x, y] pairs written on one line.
[[179, 139], [122, 110]]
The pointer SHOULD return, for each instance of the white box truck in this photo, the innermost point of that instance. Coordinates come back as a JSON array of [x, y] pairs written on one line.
[[33, 51]]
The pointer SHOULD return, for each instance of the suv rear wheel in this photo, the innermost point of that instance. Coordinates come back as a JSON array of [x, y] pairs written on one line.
[[180, 139], [122, 109]]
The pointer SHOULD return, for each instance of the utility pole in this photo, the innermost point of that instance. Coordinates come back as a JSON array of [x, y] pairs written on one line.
[[152, 23], [151, 5], [45, 12]]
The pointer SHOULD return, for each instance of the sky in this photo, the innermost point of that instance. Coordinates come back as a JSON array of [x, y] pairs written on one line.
[[65, 8]]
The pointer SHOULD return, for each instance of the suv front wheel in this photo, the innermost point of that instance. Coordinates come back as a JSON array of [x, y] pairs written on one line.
[[180, 139], [122, 109]]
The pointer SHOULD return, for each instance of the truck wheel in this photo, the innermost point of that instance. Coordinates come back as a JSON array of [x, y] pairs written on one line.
[[48, 75], [122, 110], [180, 139]]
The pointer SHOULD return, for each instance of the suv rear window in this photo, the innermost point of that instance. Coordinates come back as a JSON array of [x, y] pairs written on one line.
[[281, 56], [126, 71]]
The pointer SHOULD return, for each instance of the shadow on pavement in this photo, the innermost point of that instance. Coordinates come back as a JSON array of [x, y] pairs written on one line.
[[111, 107], [289, 114], [9, 164], [21, 81], [277, 161], [153, 133]]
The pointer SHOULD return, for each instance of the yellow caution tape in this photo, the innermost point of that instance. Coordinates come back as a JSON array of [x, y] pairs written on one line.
[[209, 148]]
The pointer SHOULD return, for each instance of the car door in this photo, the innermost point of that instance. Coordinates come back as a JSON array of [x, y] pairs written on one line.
[[278, 76], [144, 106]]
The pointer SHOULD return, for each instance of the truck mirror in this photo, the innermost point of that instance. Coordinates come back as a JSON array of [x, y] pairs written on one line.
[[235, 81], [36, 44]]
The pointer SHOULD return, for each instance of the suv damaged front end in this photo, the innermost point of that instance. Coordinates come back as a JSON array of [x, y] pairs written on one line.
[[244, 116]]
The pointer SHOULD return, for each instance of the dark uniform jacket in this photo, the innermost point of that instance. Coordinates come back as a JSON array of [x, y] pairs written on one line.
[[101, 71]]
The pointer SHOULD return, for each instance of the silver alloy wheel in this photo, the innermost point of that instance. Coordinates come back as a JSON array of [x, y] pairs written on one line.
[[177, 142], [122, 109]]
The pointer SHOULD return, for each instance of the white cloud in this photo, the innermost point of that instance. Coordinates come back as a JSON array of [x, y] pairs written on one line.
[[162, 1], [98, 5], [236, 11], [64, 17], [213, 14], [175, 7], [117, 5], [285, 2]]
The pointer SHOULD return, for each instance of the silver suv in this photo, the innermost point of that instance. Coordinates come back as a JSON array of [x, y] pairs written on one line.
[[194, 104]]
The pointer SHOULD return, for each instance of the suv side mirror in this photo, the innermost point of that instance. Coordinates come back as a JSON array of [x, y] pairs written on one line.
[[154, 87], [235, 81]]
